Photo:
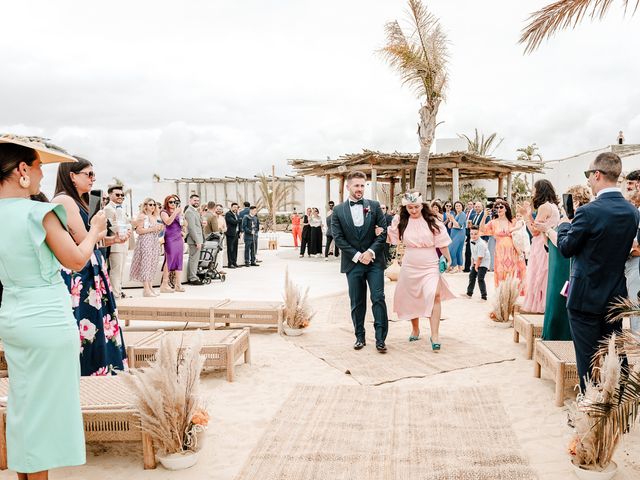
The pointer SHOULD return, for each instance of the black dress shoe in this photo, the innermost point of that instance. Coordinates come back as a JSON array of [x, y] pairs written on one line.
[[195, 282], [255, 265], [231, 266], [359, 344], [381, 347]]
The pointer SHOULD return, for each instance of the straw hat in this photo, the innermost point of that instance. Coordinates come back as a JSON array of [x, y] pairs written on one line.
[[47, 152]]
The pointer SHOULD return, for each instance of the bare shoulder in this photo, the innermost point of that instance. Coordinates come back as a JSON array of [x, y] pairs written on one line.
[[67, 202]]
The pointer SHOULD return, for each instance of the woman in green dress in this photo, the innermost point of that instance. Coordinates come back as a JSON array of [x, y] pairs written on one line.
[[44, 427], [556, 320]]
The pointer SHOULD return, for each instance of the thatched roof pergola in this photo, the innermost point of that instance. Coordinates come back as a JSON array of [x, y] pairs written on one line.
[[444, 168]]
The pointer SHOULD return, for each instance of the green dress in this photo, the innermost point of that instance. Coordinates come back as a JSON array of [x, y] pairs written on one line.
[[556, 320], [42, 344]]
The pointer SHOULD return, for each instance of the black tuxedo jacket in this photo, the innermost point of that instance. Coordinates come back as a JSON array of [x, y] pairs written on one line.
[[346, 236], [232, 224], [598, 241]]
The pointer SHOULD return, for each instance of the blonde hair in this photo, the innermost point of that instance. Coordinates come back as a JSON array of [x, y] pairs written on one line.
[[580, 193], [144, 204]]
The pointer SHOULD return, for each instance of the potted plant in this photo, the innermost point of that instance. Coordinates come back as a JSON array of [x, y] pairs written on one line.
[[606, 411], [297, 313], [171, 410], [505, 302]]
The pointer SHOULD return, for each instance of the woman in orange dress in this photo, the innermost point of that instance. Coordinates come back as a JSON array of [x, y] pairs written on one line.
[[507, 260], [296, 229]]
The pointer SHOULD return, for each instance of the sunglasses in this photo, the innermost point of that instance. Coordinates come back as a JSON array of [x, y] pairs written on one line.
[[150, 204], [173, 202], [587, 173], [500, 207], [119, 195], [90, 175]]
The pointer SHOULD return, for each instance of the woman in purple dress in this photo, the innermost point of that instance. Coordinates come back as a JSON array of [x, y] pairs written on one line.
[[173, 245]]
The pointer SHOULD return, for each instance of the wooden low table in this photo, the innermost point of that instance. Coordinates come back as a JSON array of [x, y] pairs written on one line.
[[559, 357], [529, 325], [220, 348], [108, 413]]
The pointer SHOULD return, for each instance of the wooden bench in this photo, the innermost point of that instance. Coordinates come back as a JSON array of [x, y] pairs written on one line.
[[108, 413], [220, 348], [559, 357], [210, 312], [167, 309], [529, 325]]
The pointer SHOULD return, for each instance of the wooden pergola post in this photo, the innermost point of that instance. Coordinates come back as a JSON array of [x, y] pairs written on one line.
[[412, 178], [327, 190], [341, 192], [226, 195], [509, 187], [455, 184], [392, 192], [433, 184], [374, 184], [500, 182], [403, 180]]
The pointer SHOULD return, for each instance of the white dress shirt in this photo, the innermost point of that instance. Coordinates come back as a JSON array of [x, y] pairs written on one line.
[[607, 190], [357, 214]]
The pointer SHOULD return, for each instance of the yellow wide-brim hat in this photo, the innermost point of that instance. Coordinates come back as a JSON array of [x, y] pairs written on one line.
[[47, 152]]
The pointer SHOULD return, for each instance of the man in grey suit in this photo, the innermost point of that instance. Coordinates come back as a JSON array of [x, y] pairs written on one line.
[[195, 238]]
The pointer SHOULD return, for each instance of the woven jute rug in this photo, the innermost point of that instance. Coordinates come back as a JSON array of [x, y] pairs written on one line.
[[345, 432], [403, 360]]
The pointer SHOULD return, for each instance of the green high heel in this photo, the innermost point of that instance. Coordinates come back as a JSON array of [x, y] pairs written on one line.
[[414, 338], [434, 346]]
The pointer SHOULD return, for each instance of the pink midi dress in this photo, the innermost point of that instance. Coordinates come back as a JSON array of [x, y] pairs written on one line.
[[420, 274]]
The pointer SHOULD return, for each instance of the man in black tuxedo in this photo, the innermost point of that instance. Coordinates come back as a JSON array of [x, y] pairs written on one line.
[[353, 224], [598, 241], [232, 233]]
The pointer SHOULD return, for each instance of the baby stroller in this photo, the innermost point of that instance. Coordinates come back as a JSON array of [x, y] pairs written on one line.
[[208, 263]]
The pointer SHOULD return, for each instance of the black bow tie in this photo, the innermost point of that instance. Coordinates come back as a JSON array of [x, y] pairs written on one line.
[[359, 202]]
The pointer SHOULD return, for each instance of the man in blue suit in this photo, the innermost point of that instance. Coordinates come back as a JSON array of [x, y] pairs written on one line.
[[353, 224], [598, 240]]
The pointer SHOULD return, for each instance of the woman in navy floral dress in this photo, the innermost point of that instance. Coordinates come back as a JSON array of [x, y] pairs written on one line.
[[102, 349]]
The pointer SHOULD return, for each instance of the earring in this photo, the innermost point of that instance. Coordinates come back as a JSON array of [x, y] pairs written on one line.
[[25, 182]]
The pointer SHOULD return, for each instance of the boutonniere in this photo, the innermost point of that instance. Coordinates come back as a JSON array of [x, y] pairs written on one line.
[[366, 211]]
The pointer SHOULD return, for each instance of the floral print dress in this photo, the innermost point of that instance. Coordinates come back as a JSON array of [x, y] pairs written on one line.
[[102, 349]]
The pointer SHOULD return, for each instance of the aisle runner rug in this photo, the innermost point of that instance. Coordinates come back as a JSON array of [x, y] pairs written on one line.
[[403, 360], [344, 432]]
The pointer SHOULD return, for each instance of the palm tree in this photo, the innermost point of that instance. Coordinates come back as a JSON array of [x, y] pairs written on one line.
[[564, 14], [529, 153], [273, 199], [480, 145], [420, 57]]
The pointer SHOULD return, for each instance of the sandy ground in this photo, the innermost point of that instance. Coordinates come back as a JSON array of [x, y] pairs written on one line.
[[241, 411]]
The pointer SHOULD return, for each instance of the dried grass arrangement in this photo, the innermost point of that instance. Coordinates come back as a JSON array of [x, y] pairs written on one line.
[[505, 302], [605, 412], [167, 396], [297, 312]]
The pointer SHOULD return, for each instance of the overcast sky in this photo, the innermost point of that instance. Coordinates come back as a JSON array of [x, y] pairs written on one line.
[[215, 88]]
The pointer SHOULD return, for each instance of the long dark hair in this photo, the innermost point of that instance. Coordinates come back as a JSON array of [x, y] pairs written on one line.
[[427, 214], [507, 209], [11, 156], [65, 186], [544, 193]]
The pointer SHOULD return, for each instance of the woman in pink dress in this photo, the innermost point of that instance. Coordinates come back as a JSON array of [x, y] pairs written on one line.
[[545, 202], [420, 288]]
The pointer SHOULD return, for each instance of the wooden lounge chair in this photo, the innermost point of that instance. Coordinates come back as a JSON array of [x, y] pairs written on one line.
[[529, 325], [220, 348], [253, 313], [108, 413], [559, 357]]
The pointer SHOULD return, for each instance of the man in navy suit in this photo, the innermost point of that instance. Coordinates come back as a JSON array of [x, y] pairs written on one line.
[[353, 224], [598, 241]]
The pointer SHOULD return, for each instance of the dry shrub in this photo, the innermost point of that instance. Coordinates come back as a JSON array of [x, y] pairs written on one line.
[[297, 312], [167, 398], [506, 298]]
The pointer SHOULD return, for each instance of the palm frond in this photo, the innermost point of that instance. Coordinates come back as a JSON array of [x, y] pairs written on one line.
[[564, 14], [480, 144], [420, 57]]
